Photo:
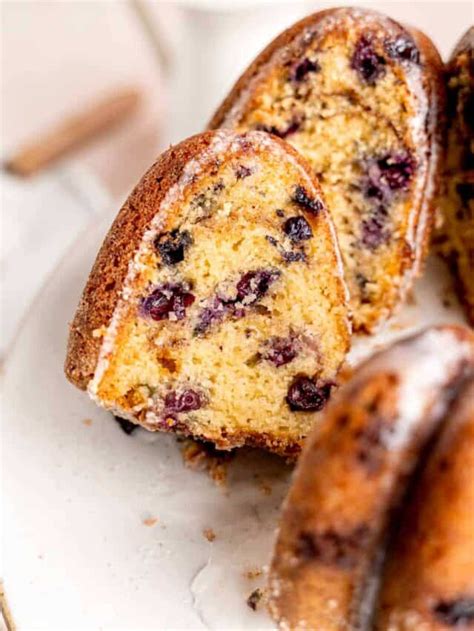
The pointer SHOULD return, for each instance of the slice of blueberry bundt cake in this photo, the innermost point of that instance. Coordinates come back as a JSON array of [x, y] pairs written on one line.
[[216, 307], [428, 582], [359, 96], [457, 233], [353, 474]]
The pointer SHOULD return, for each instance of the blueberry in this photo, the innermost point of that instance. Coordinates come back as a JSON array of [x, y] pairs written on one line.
[[388, 174], [241, 171], [455, 613], [366, 62], [251, 287], [212, 314], [297, 229], [255, 284], [397, 170], [168, 300], [289, 256], [292, 127], [292, 256], [186, 401], [302, 198], [403, 49], [304, 395], [302, 69], [373, 229], [281, 350], [172, 246]]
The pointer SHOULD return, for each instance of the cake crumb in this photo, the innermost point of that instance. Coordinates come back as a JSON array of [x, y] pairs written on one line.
[[99, 332], [254, 599], [199, 456], [87, 422], [253, 573], [149, 521], [209, 534]]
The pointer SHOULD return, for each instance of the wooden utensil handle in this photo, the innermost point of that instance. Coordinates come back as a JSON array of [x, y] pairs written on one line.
[[74, 131]]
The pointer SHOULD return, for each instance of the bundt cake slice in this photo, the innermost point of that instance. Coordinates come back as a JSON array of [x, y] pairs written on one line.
[[428, 581], [458, 201], [216, 307], [359, 96], [353, 474]]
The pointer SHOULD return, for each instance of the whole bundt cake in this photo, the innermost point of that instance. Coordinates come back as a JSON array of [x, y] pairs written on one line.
[[352, 476], [216, 307], [359, 96], [428, 582]]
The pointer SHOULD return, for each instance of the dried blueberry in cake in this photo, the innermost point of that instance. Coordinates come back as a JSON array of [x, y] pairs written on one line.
[[369, 65], [368, 94], [242, 171], [214, 275], [281, 350], [255, 284], [374, 230], [294, 255], [303, 199], [172, 246], [289, 128], [297, 229], [168, 302], [303, 68], [306, 394], [388, 174]]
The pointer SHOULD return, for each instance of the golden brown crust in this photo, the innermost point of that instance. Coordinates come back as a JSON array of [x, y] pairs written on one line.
[[290, 41], [353, 473], [455, 240], [428, 582], [108, 273], [436, 131]]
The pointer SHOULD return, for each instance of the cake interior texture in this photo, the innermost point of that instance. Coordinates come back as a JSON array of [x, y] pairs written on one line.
[[458, 201], [347, 91], [232, 322]]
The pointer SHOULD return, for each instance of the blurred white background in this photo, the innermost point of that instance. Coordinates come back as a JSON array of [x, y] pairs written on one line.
[[57, 55]]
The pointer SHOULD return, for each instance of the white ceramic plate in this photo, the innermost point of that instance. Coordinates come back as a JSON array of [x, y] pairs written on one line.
[[77, 553]]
